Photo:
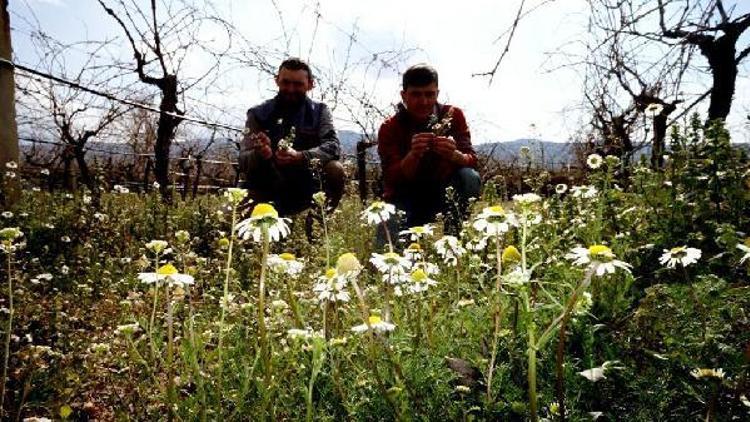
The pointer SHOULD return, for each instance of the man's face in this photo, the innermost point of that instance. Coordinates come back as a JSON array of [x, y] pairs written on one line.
[[420, 100], [293, 85]]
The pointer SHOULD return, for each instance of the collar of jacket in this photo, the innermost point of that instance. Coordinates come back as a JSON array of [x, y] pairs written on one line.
[[272, 106]]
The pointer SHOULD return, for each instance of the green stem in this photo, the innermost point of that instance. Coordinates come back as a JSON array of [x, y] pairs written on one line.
[[496, 316], [325, 235], [225, 302], [532, 370], [8, 333], [153, 314], [170, 357], [264, 349]]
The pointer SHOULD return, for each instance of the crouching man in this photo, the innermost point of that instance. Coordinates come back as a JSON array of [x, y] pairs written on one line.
[[290, 146], [424, 149]]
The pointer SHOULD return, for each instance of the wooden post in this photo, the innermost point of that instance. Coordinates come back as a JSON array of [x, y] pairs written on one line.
[[8, 129], [185, 169], [146, 172], [198, 171], [362, 146]]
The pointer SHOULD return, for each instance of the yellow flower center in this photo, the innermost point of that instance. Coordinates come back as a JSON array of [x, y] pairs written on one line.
[[418, 275], [511, 254], [390, 258], [678, 250], [330, 273], [264, 210], [374, 320], [600, 251], [496, 209], [168, 269], [747, 242], [414, 247], [286, 256], [347, 263], [418, 229]]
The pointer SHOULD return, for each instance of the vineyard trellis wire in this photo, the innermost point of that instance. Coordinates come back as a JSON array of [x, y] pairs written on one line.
[[365, 168]]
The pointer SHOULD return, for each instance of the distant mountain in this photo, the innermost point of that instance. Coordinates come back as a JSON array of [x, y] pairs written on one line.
[[545, 152], [548, 153]]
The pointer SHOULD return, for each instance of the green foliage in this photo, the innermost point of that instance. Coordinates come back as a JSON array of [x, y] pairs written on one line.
[[83, 344]]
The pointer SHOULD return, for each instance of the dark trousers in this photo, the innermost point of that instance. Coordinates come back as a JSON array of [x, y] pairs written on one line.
[[290, 188], [422, 202]]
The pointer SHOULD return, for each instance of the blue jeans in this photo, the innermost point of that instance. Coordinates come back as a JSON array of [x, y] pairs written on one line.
[[422, 203]]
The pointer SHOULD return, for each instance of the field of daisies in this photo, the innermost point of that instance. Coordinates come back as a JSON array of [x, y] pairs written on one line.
[[621, 296]]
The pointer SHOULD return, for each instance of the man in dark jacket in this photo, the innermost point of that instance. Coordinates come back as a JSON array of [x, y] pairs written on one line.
[[424, 149], [290, 146]]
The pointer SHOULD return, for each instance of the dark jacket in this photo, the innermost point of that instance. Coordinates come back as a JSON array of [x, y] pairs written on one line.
[[315, 135]]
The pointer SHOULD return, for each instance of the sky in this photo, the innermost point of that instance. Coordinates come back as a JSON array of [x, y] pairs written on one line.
[[532, 95]]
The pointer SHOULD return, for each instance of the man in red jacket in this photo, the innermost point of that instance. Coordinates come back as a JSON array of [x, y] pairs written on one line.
[[424, 149]]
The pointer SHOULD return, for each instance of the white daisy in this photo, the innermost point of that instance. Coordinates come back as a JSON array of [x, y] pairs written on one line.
[[477, 244], [681, 254], [419, 281], [654, 109], [746, 249], [417, 232], [285, 263], [517, 277], [413, 252], [11, 165], [235, 195], [699, 373], [594, 161], [494, 220], [378, 212], [600, 257], [584, 192], [156, 246], [331, 287], [393, 267], [526, 199], [596, 374], [128, 329], [561, 188], [449, 248], [304, 334], [169, 274], [10, 234], [263, 218], [377, 324]]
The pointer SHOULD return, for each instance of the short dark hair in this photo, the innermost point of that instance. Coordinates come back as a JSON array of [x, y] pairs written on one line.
[[294, 63], [419, 75]]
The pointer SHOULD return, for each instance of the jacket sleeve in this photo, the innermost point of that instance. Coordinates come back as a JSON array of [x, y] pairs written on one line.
[[246, 150], [330, 147], [395, 168], [463, 137]]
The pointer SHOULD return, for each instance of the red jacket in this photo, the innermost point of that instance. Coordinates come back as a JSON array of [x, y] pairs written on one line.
[[394, 142]]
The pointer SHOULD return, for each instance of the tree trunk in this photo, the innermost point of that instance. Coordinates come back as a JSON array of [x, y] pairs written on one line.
[[8, 129], [165, 132], [83, 168], [721, 58]]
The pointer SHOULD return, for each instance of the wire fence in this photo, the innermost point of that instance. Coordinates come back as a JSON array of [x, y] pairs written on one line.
[[190, 170]]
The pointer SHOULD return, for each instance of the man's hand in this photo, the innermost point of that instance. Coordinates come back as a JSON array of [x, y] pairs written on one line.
[[420, 143], [260, 143], [289, 156], [444, 146]]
